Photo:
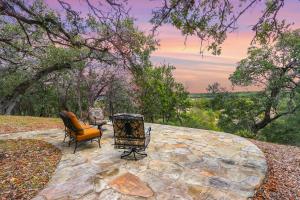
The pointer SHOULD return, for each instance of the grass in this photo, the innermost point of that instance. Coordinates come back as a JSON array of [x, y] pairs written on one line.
[[12, 124], [208, 95]]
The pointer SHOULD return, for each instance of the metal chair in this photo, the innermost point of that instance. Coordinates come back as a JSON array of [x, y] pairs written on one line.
[[130, 134], [96, 117], [77, 131]]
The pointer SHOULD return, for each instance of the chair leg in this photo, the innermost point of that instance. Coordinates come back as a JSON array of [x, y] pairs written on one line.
[[133, 151], [65, 137], [142, 154], [75, 147], [65, 134], [99, 138], [126, 153]]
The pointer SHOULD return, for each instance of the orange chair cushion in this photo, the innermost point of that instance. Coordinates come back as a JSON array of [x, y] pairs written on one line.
[[74, 120], [88, 134], [85, 126]]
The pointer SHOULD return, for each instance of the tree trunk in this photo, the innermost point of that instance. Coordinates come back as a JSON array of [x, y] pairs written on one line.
[[267, 114], [6, 106], [79, 102], [8, 102], [262, 124]]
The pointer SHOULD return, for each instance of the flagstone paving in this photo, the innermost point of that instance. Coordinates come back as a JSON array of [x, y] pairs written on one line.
[[182, 163]]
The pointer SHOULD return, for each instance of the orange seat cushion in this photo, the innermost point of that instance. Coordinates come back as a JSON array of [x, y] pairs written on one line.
[[86, 133], [89, 134], [84, 126]]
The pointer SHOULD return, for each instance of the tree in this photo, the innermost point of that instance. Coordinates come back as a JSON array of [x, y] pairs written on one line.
[[238, 113], [218, 94], [119, 96], [289, 125], [211, 21], [215, 88], [159, 94], [276, 69], [37, 41]]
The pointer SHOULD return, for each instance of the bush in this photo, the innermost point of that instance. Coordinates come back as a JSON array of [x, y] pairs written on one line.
[[197, 118], [284, 131], [245, 133]]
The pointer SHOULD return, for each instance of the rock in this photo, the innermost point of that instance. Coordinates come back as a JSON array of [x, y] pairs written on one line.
[[227, 161], [90, 196], [38, 198], [198, 192], [108, 173], [130, 184], [109, 194], [75, 188], [218, 183], [99, 185]]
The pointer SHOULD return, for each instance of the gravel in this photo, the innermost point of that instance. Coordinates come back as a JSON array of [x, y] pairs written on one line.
[[283, 176]]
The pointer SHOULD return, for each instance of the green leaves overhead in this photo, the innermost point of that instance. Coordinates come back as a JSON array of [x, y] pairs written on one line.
[[62, 56], [212, 20], [40, 41]]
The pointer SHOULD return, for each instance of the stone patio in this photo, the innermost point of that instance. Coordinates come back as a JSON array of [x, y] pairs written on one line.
[[182, 163]]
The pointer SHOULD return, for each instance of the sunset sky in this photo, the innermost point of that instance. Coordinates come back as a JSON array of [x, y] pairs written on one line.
[[192, 69]]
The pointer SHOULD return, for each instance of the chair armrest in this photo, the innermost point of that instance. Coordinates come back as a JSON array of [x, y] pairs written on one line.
[[148, 136], [148, 131]]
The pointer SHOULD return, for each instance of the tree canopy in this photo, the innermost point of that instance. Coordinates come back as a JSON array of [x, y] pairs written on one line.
[[211, 21], [37, 41], [275, 68]]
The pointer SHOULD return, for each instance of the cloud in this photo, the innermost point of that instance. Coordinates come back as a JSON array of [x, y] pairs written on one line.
[[196, 73]]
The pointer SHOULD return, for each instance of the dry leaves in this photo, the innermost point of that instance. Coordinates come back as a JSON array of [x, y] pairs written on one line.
[[283, 177], [25, 167]]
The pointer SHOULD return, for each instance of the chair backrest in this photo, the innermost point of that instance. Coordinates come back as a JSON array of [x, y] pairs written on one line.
[[129, 130], [96, 114], [67, 121]]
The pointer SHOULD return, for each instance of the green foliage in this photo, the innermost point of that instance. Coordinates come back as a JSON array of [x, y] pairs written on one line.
[[276, 69], [201, 103], [41, 101], [159, 94], [10, 80], [39, 42], [245, 133], [61, 56], [238, 113], [211, 21], [285, 131], [201, 118], [119, 98]]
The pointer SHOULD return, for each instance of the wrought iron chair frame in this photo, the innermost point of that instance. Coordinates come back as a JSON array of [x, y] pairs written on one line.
[[72, 138], [64, 117]]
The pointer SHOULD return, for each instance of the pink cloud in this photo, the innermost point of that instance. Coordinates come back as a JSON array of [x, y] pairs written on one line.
[[195, 71]]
